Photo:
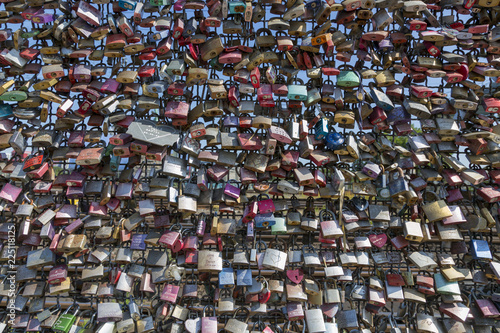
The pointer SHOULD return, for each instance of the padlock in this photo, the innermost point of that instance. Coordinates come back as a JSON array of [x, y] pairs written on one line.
[[234, 325], [66, 319]]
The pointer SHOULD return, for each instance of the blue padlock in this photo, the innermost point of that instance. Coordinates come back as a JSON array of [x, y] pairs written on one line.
[[264, 220], [226, 277], [313, 4], [236, 7], [243, 277], [321, 129], [5, 111], [334, 140], [480, 249], [127, 4]]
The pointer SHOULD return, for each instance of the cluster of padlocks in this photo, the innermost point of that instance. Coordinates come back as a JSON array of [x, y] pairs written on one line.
[[249, 166]]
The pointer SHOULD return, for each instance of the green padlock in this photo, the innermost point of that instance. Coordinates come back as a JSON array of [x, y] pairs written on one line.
[[348, 78], [29, 34], [279, 228], [159, 2], [66, 319], [115, 162], [14, 96], [445, 287], [215, 64], [297, 92]]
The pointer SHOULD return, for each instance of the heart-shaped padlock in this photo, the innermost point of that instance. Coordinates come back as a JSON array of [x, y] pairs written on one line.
[[295, 275], [378, 240]]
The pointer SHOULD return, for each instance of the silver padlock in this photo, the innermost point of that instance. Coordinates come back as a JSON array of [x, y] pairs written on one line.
[[315, 321]]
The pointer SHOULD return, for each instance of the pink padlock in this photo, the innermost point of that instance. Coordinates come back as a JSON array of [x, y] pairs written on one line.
[[96, 209], [10, 192], [233, 96], [217, 172], [378, 115], [319, 178], [209, 324], [487, 308], [279, 134], [201, 225], [178, 246], [89, 13], [163, 311], [84, 107], [190, 243], [113, 204], [55, 241], [247, 176], [176, 110], [294, 311], [110, 86], [162, 218], [265, 92], [201, 180], [191, 257], [32, 240], [491, 105], [231, 57], [164, 46], [82, 73], [266, 103], [170, 293], [266, 205]]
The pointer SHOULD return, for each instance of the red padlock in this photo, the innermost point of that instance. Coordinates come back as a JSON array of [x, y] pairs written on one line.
[[255, 77], [170, 239], [58, 273]]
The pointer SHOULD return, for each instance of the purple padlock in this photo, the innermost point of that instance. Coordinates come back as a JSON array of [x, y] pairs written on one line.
[[372, 170], [75, 225], [42, 18], [385, 45], [232, 190], [138, 243], [231, 121]]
